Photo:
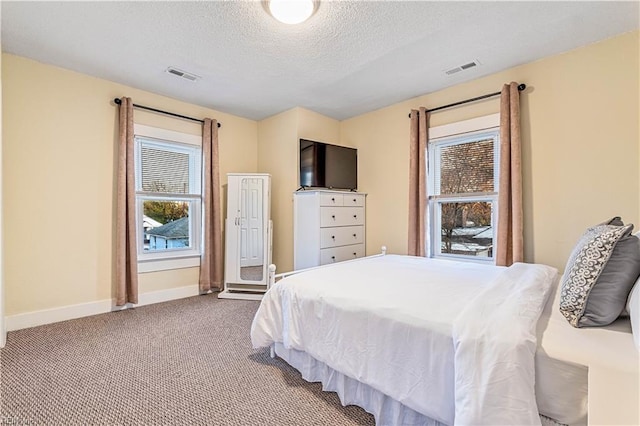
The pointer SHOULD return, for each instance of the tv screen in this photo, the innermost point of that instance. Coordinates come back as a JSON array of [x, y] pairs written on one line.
[[328, 166]]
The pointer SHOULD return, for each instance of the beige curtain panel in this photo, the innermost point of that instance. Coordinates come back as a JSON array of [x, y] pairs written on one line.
[[211, 273], [126, 251], [509, 247], [418, 140]]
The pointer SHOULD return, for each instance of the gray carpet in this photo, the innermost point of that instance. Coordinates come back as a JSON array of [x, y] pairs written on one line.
[[185, 362]]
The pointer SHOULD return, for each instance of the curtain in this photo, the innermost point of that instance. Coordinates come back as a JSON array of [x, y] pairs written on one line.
[[509, 247], [126, 250], [418, 244], [211, 260]]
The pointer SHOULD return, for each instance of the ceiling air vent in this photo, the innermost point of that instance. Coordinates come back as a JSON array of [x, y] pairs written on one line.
[[182, 74], [463, 67]]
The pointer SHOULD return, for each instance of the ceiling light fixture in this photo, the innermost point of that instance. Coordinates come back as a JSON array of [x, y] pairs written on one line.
[[291, 11]]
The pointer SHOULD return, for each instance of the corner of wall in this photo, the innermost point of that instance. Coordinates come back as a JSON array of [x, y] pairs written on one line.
[[278, 155], [3, 332]]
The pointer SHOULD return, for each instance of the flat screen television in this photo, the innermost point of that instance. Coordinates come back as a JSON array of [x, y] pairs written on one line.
[[323, 165]]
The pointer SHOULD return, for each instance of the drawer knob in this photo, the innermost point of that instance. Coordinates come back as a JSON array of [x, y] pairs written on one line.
[[333, 199], [354, 254], [354, 235], [333, 236], [333, 258], [354, 200], [355, 216], [333, 216]]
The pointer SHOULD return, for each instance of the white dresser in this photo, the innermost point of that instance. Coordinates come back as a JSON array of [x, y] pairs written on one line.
[[328, 227]]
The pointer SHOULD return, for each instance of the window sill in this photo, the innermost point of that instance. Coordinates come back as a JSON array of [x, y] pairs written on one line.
[[463, 258], [166, 264]]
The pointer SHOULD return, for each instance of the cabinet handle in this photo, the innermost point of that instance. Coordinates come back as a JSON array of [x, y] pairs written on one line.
[[333, 199], [333, 258], [354, 254], [354, 200], [354, 235], [355, 216], [333, 216], [333, 236]]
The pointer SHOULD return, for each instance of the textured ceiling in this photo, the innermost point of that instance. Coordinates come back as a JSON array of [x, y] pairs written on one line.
[[351, 57]]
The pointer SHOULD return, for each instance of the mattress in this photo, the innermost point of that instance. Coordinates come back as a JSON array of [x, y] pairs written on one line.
[[569, 360], [396, 296]]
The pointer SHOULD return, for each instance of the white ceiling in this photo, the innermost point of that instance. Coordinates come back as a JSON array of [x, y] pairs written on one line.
[[351, 57]]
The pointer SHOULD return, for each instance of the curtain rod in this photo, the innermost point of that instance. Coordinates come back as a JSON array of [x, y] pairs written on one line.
[[521, 87], [117, 101]]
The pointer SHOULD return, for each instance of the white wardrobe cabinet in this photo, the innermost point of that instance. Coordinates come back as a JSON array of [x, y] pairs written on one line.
[[329, 226], [248, 240]]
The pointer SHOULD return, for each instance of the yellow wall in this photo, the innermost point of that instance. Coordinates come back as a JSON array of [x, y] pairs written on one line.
[[581, 160], [58, 156], [580, 147], [3, 335], [278, 154]]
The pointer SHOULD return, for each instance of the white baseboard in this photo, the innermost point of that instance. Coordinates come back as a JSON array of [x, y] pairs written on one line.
[[237, 295], [63, 313]]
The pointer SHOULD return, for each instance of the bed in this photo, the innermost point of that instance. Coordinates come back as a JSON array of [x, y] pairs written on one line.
[[436, 342]]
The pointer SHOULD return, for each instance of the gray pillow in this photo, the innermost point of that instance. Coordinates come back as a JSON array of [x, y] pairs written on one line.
[[633, 307], [599, 275]]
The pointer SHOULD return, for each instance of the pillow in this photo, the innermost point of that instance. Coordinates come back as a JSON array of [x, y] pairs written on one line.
[[599, 274], [633, 308]]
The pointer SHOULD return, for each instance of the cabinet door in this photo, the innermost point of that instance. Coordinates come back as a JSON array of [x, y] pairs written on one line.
[[251, 223], [247, 230]]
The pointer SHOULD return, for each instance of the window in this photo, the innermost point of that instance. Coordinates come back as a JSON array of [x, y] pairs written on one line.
[[168, 195], [463, 189]]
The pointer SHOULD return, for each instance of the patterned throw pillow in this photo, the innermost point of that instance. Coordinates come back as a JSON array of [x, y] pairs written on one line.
[[600, 274]]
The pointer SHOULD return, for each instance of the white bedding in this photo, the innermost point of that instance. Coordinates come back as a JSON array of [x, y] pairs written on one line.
[[495, 345], [384, 328]]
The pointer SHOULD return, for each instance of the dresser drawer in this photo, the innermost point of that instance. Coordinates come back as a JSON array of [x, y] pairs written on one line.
[[353, 200], [339, 254], [341, 236], [327, 199], [341, 216]]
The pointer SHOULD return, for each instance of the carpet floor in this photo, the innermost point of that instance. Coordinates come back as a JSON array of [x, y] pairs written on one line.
[[184, 362]]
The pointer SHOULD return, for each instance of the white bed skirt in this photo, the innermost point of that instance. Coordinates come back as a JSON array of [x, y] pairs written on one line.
[[386, 410]]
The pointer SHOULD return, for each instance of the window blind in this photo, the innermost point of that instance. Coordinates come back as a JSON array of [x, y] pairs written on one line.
[[165, 170]]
